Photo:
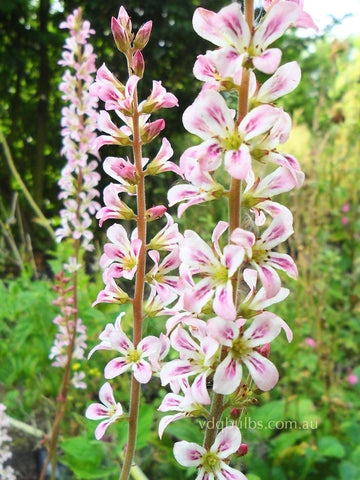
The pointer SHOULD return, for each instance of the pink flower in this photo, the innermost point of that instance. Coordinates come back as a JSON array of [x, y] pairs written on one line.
[[243, 349], [344, 220], [353, 379], [228, 29], [304, 20], [210, 118], [217, 269], [345, 208], [108, 410], [185, 405], [196, 358], [113, 338], [120, 257], [211, 462], [311, 342], [263, 258]]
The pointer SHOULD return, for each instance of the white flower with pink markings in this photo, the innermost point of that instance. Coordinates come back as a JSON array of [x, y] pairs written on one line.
[[211, 462], [217, 269], [243, 351], [108, 410]]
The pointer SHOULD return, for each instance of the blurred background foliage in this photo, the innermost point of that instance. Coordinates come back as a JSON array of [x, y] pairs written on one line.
[[324, 304]]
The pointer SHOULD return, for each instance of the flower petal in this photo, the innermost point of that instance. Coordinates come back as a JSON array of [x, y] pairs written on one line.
[[227, 376], [188, 454], [227, 442], [263, 372]]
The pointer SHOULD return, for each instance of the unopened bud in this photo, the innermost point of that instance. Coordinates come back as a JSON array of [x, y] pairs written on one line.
[[138, 64], [124, 20], [120, 36], [265, 350], [155, 212], [143, 35], [242, 450], [235, 412], [152, 130]]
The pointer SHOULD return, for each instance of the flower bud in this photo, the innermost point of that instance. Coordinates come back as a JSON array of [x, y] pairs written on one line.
[[265, 350], [235, 412], [138, 64], [120, 36], [151, 130], [155, 212], [143, 35], [242, 450], [124, 20]]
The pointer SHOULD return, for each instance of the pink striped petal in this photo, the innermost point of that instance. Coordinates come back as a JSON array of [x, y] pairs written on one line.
[[270, 279], [96, 411], [142, 371], [278, 231], [165, 421], [199, 391], [227, 442], [222, 330], [106, 395], [275, 23], [188, 454], [258, 121], [101, 428], [284, 262], [209, 116], [171, 401], [223, 304], [269, 61], [116, 367], [227, 376], [263, 372], [238, 162], [285, 80], [264, 328], [229, 473], [226, 28]]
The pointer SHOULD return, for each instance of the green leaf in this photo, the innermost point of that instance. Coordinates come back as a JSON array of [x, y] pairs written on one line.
[[349, 471], [331, 447]]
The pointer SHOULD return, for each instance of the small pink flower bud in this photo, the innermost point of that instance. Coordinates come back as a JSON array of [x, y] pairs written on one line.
[[235, 412], [311, 342], [120, 36], [344, 220], [265, 350], [353, 379], [138, 64], [143, 35], [345, 208], [242, 450], [152, 130], [124, 20], [155, 212]]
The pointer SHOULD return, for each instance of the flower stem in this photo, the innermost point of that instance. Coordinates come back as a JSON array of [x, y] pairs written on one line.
[[139, 293], [217, 405]]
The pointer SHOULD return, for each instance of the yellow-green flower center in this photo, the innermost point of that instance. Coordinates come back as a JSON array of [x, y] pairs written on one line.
[[210, 462], [133, 357], [239, 348], [232, 142]]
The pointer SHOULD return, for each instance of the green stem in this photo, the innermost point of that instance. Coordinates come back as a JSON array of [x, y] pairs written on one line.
[[217, 405], [139, 291]]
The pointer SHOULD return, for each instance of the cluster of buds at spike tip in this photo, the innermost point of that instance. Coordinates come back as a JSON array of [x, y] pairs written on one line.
[[79, 178], [216, 296]]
